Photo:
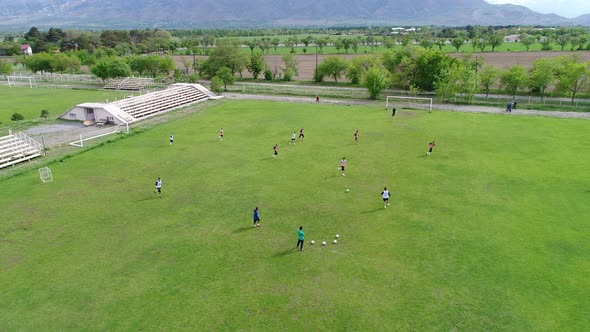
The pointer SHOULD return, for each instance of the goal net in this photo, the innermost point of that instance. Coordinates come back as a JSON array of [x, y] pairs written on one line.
[[22, 81], [414, 103]]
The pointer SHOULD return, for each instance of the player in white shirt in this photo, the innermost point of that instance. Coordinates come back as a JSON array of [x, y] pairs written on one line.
[[293, 136], [171, 138], [385, 194], [158, 189]]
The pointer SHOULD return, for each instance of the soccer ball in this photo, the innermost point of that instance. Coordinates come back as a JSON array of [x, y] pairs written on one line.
[[347, 190], [337, 235], [334, 241], [323, 243], [312, 242]]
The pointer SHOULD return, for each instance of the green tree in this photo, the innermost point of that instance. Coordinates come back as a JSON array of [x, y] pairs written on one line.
[[110, 68], [225, 54], [468, 82], [446, 85], [482, 44], [359, 65], [426, 43], [44, 114], [17, 117], [457, 43], [513, 79], [166, 65], [495, 40], [333, 66], [226, 77], [563, 40], [290, 67], [546, 44], [440, 42], [338, 45], [5, 68], [256, 64], [375, 79], [39, 62], [488, 77], [252, 43], [216, 84], [527, 41], [541, 75], [573, 76]]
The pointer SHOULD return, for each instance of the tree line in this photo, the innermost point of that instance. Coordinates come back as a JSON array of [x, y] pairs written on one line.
[[200, 41]]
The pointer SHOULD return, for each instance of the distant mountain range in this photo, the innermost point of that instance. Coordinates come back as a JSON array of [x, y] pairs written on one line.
[[110, 14]]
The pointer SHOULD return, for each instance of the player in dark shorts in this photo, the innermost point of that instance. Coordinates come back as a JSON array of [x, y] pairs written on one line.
[[393, 112], [171, 138], [431, 146], [301, 135], [385, 194], [256, 217], [342, 165], [276, 150], [221, 132], [356, 136], [158, 189]]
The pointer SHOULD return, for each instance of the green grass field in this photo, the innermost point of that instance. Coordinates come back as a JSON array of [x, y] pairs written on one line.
[[30, 102], [488, 233]]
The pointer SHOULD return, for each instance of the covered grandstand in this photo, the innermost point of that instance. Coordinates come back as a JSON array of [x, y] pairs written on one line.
[[136, 108]]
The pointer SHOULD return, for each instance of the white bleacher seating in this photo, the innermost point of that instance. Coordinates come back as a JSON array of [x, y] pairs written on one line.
[[18, 147], [129, 83], [177, 95]]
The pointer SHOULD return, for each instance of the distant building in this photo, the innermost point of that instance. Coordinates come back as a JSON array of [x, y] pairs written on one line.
[[26, 49], [399, 30]]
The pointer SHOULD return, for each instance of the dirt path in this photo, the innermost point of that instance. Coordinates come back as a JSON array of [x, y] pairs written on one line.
[[443, 107]]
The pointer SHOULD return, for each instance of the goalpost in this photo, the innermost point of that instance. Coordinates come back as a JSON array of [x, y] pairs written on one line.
[[417, 103], [121, 128], [22, 80]]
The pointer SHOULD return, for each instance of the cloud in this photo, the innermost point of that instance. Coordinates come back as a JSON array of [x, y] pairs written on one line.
[[567, 8]]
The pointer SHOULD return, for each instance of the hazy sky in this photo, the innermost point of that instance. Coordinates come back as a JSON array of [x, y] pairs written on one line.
[[567, 8]]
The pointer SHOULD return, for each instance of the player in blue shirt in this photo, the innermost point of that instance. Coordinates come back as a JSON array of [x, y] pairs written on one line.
[[256, 217]]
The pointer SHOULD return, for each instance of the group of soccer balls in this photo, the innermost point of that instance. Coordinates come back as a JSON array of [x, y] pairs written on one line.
[[324, 242]]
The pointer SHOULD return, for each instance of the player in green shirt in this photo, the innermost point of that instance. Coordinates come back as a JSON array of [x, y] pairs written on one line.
[[300, 237]]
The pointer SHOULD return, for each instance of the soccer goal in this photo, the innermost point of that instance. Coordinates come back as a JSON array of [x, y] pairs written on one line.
[[45, 175], [415, 103], [22, 81], [86, 136]]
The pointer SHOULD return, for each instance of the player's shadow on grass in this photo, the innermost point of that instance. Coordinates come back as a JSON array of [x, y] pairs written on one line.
[[242, 229], [372, 210], [147, 198], [285, 252]]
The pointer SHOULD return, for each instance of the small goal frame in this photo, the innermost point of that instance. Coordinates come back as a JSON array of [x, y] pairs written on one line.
[[45, 174], [387, 102]]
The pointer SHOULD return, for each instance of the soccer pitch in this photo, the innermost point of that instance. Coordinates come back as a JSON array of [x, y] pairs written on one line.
[[489, 232], [30, 102]]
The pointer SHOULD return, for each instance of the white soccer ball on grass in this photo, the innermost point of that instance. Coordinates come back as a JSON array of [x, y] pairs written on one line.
[[337, 235], [334, 241], [312, 241], [323, 243]]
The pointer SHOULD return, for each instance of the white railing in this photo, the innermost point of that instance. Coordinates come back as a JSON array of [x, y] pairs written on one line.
[[27, 140]]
